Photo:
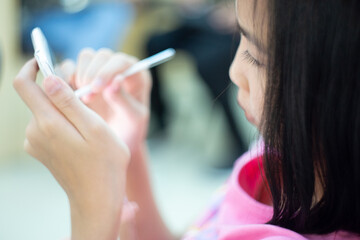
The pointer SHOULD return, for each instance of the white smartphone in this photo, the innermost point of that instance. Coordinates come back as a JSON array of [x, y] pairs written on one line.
[[42, 52]]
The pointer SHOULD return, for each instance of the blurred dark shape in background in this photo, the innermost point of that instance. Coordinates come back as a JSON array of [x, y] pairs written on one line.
[[207, 33], [70, 25]]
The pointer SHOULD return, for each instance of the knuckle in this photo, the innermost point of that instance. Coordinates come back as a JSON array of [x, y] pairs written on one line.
[[66, 102], [86, 53], [29, 132], [119, 56], [18, 82], [27, 147], [105, 52]]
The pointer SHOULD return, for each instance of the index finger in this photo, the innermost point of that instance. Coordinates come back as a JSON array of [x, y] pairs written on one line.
[[33, 96]]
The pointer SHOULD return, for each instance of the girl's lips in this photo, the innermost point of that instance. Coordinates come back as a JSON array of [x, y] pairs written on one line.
[[248, 116]]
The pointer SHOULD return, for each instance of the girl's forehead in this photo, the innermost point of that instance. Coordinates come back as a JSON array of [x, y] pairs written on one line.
[[252, 15], [243, 11]]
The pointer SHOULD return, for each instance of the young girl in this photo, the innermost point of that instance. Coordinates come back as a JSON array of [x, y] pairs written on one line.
[[298, 73]]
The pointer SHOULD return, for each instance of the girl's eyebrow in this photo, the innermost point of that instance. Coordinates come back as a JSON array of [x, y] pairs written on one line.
[[251, 38]]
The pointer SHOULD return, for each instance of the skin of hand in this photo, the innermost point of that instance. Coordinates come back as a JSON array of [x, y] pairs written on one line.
[[122, 103], [80, 150]]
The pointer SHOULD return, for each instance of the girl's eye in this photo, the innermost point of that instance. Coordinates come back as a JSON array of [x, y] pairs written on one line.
[[250, 59]]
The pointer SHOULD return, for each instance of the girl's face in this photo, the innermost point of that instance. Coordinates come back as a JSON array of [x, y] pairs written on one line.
[[248, 70]]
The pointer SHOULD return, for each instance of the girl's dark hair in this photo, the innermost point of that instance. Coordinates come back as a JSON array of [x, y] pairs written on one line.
[[311, 124]]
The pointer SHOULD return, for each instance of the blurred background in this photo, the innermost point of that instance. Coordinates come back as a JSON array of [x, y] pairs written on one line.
[[197, 130]]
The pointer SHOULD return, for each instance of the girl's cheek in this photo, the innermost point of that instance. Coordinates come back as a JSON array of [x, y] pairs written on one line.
[[256, 98], [256, 110]]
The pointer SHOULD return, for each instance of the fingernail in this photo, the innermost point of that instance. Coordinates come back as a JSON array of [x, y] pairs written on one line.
[[52, 85]]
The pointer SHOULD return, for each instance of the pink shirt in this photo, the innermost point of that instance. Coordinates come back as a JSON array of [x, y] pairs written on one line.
[[235, 214]]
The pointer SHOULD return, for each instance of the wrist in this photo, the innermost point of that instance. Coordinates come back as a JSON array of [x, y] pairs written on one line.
[[93, 219], [96, 207]]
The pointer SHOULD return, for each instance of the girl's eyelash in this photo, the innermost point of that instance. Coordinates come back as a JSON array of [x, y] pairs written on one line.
[[247, 56]]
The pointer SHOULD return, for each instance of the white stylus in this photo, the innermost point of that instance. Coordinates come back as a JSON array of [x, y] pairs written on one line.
[[147, 63]]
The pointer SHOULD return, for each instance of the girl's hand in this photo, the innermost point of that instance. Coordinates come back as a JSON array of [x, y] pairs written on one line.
[[123, 104], [80, 150]]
